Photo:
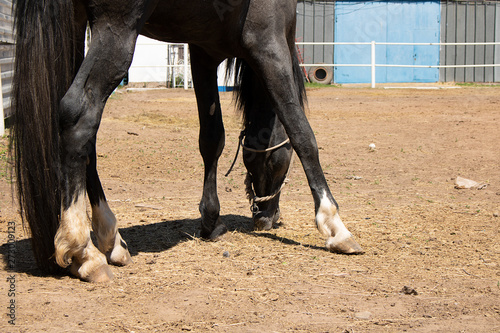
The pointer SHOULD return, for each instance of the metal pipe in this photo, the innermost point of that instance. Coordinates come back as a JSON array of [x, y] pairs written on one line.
[[373, 65], [314, 30], [456, 38], [186, 64], [494, 38]]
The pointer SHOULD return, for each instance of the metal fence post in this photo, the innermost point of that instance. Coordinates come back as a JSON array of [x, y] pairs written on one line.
[[373, 63], [186, 60]]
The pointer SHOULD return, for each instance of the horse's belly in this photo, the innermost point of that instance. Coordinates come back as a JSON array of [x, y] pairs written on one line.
[[198, 21]]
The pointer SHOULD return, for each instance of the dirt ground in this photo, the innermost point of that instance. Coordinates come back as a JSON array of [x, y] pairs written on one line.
[[432, 251]]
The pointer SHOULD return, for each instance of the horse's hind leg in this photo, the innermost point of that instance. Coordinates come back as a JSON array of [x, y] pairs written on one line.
[[106, 63], [211, 140], [104, 225]]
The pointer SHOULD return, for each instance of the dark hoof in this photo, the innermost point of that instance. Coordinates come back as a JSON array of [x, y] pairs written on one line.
[[219, 230]]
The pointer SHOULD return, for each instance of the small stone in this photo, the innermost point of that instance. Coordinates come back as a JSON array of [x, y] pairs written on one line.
[[464, 183], [365, 315], [409, 291], [495, 214], [225, 254]]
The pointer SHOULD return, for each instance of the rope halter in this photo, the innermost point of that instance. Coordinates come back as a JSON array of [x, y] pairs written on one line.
[[254, 199]]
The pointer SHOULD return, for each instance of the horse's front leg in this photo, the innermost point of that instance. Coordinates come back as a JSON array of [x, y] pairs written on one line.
[[273, 60], [211, 140], [104, 224]]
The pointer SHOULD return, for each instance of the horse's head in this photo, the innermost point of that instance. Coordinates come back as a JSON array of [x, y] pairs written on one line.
[[267, 154]]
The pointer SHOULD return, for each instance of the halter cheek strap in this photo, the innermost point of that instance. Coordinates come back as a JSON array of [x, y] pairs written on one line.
[[240, 144], [254, 198]]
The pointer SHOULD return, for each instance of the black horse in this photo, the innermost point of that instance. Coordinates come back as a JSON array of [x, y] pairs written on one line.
[[59, 96]]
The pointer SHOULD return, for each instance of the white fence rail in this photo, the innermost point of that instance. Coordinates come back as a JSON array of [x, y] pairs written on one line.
[[185, 67], [373, 64]]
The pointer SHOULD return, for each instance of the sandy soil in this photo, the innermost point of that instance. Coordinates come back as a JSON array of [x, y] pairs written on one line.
[[432, 251]]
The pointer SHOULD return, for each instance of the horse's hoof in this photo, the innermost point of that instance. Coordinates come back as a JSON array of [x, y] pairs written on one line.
[[101, 274], [345, 246], [119, 256], [218, 231]]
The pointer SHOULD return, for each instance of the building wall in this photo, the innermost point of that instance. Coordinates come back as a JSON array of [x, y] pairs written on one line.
[[6, 53], [148, 64], [460, 21], [470, 21], [387, 22], [316, 23]]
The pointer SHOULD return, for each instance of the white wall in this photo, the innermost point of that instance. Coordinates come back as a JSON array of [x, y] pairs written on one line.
[[150, 60], [150, 64]]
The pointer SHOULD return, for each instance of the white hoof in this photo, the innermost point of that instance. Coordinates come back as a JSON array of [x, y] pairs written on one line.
[[344, 246]]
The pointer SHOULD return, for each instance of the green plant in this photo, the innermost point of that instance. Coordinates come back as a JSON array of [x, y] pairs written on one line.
[[319, 85], [4, 156], [476, 84]]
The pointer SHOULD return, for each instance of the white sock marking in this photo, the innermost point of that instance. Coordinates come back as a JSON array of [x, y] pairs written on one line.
[[104, 225], [328, 221]]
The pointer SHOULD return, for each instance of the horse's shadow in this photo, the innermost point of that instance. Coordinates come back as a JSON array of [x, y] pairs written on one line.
[[150, 238], [161, 236]]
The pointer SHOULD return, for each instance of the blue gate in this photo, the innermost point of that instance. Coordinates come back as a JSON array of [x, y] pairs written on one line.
[[392, 22]]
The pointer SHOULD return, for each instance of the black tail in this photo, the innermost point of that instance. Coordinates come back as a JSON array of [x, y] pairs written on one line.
[[249, 92], [44, 69]]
